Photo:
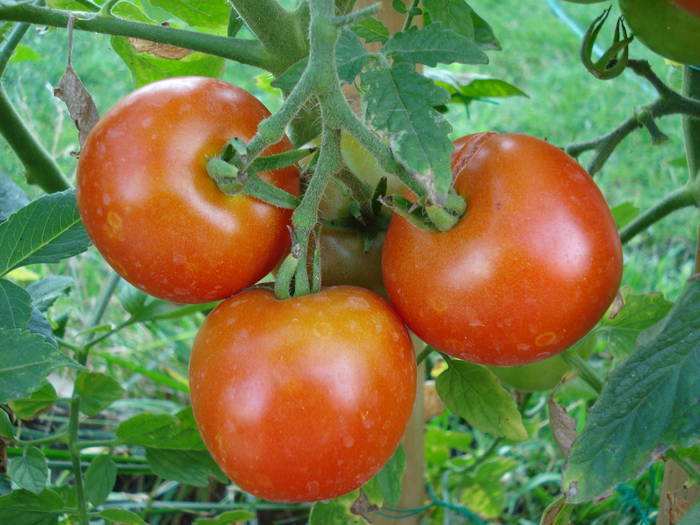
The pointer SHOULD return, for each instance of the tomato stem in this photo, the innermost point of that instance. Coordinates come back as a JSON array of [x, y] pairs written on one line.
[[424, 354], [676, 200], [691, 125], [41, 169], [574, 360], [669, 102], [245, 51]]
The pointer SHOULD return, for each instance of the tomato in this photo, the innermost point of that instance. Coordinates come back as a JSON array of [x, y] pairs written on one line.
[[692, 6], [345, 261], [151, 209], [528, 270], [533, 377], [302, 399], [664, 28]]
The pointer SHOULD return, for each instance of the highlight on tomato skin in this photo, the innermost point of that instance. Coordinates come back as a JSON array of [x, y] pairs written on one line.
[[150, 207], [302, 399], [530, 268]]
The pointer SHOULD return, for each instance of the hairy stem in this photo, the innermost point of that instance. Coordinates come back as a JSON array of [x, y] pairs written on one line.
[[281, 32], [249, 52]]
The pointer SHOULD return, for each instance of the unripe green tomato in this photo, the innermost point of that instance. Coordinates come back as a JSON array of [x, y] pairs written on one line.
[[664, 28], [534, 377], [541, 375], [344, 261]]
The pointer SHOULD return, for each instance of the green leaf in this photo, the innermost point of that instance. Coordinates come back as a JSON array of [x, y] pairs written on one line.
[[400, 105], [120, 516], [371, 30], [639, 312], [692, 453], [452, 14], [100, 478], [624, 213], [207, 14], [466, 87], [483, 33], [474, 392], [192, 467], [350, 56], [24, 53], [557, 513], [390, 476], [648, 404], [21, 507], [97, 391], [45, 231], [485, 493], [15, 305], [39, 324], [177, 432], [146, 67], [44, 292], [399, 6], [334, 512], [12, 197], [30, 471], [7, 429], [433, 45], [227, 518], [25, 361], [27, 408]]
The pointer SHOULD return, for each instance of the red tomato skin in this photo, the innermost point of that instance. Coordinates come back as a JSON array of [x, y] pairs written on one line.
[[692, 6], [302, 399], [151, 209], [530, 268]]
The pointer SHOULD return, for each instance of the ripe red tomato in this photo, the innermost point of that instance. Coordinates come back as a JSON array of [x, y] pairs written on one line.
[[692, 6], [151, 209], [306, 398], [664, 28], [528, 270]]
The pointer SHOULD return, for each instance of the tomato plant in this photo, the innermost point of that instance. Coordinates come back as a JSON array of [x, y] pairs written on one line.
[[529, 269], [151, 209], [692, 6], [664, 28], [294, 399]]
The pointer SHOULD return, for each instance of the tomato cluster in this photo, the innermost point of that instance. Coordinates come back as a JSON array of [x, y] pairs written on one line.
[[306, 398]]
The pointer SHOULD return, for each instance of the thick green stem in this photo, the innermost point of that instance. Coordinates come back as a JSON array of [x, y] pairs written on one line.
[[41, 169], [577, 363], [9, 45], [244, 51], [281, 32], [691, 125], [677, 199]]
